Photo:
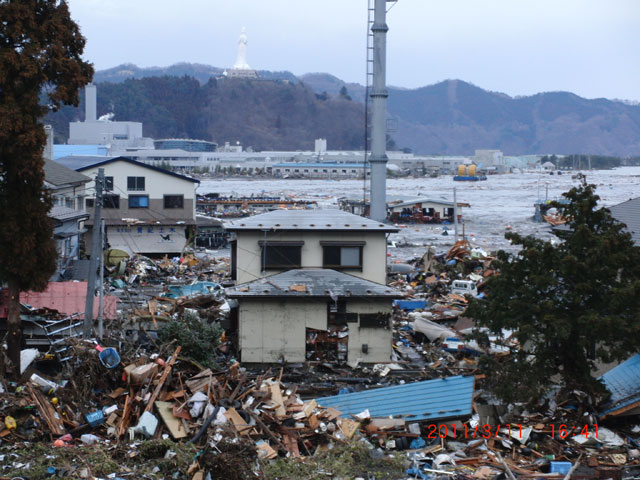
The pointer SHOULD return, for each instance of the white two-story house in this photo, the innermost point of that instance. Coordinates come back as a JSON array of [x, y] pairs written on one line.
[[310, 285], [68, 191], [147, 210]]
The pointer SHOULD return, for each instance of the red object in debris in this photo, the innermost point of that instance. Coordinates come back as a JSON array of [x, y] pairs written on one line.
[[65, 297]]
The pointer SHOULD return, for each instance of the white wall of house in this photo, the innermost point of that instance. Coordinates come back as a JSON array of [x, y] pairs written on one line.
[[249, 252], [147, 238], [157, 183], [378, 340], [272, 329]]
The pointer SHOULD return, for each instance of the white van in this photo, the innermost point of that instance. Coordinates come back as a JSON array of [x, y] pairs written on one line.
[[464, 287]]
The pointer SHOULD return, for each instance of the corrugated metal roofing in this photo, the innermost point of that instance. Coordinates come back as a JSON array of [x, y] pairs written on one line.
[[429, 400], [318, 282], [629, 213], [328, 219], [62, 150], [623, 382]]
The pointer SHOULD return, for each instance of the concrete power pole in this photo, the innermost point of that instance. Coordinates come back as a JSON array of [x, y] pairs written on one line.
[[96, 249], [379, 94]]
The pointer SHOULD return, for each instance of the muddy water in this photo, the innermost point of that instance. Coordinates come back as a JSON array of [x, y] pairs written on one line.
[[500, 203]]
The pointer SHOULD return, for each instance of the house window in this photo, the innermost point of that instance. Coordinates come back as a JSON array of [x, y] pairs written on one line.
[[344, 171], [340, 255], [108, 184], [281, 255], [174, 201], [374, 320], [135, 184], [89, 203], [110, 201], [138, 201]]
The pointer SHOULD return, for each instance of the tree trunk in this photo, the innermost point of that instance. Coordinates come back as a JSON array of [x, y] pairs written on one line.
[[14, 327]]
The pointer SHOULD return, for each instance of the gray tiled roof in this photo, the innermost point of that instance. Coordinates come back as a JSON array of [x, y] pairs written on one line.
[[629, 213], [58, 174], [317, 282], [84, 162], [65, 213], [328, 219]]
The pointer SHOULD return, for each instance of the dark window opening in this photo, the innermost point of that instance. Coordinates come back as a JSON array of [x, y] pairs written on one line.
[[108, 184], [138, 201], [111, 201], [374, 320], [174, 201], [135, 184], [281, 256], [90, 202], [336, 256]]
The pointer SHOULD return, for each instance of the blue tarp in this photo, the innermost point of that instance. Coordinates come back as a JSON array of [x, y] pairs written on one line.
[[409, 305], [429, 400], [623, 382]]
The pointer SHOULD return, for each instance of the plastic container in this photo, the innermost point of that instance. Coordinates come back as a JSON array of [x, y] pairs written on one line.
[[560, 467], [108, 356]]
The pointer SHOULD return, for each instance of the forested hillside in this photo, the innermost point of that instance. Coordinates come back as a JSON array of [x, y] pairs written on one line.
[[265, 115]]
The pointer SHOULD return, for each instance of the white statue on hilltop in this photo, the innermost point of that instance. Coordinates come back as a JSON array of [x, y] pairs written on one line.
[[241, 59]]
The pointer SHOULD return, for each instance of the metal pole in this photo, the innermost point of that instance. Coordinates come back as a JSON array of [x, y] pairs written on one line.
[[101, 287], [379, 94], [455, 215], [95, 247]]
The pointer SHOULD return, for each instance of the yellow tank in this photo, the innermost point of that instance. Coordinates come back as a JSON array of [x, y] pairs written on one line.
[[462, 170], [472, 170]]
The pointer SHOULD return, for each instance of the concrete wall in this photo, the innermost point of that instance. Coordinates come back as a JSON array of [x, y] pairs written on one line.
[[147, 238], [101, 132], [374, 252], [378, 340], [272, 329], [157, 184]]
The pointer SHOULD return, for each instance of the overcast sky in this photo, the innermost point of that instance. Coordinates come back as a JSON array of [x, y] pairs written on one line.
[[589, 47]]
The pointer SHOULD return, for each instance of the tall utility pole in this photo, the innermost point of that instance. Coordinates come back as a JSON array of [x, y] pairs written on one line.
[[96, 249], [379, 94], [101, 287], [455, 215]]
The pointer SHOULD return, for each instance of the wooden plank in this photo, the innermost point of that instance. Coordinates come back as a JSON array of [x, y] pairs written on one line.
[[47, 412], [291, 445], [165, 374], [241, 426], [174, 425], [276, 397]]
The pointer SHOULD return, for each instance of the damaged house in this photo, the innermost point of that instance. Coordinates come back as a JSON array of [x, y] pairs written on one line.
[[310, 285], [147, 210]]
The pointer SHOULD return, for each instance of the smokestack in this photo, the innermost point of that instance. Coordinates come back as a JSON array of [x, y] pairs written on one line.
[[90, 108], [48, 148], [379, 94]]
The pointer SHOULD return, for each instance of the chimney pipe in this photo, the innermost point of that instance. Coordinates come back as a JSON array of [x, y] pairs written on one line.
[[379, 94], [90, 108]]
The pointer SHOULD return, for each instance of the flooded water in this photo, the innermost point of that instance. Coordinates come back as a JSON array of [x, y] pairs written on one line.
[[502, 202]]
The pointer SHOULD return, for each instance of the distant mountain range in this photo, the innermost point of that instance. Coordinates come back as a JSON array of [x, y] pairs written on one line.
[[450, 117]]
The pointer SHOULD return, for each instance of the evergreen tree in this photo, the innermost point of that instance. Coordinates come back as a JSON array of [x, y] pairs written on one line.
[[569, 305], [40, 48]]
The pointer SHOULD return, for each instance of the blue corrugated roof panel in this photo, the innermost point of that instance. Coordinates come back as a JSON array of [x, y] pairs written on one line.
[[429, 400], [623, 382]]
